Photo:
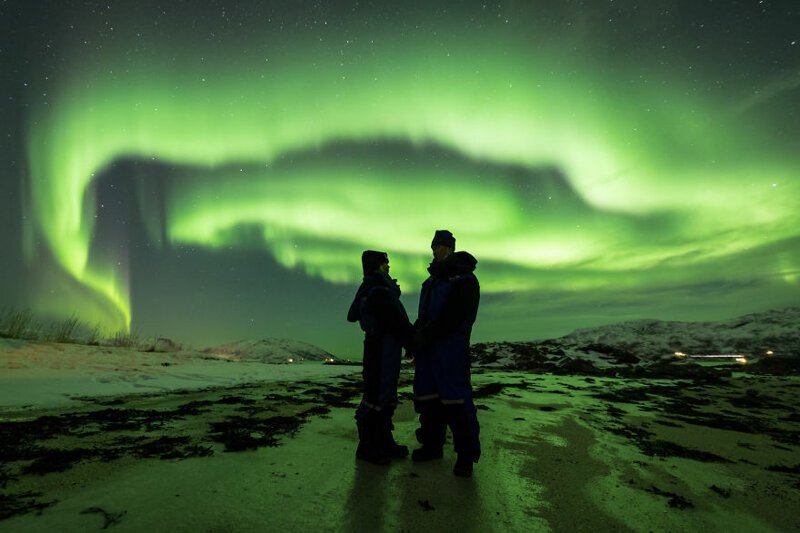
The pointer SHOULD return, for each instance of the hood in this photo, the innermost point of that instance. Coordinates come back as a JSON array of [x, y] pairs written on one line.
[[372, 279], [456, 263]]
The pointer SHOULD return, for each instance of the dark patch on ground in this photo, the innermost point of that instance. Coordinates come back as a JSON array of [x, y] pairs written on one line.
[[109, 519], [235, 400], [236, 417], [676, 501], [792, 417], [493, 389], [100, 401], [749, 424], [194, 408], [277, 398], [22, 503], [785, 469], [663, 448], [644, 440], [239, 433], [171, 448], [5, 477], [638, 394], [630, 432], [667, 423], [752, 399], [426, 505], [614, 412], [56, 460], [725, 493]]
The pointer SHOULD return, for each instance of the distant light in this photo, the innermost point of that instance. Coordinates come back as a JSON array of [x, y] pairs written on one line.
[[735, 356], [291, 360], [716, 356], [770, 352]]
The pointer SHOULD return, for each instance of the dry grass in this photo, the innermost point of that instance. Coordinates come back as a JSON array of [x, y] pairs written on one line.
[[26, 325], [20, 324], [66, 330]]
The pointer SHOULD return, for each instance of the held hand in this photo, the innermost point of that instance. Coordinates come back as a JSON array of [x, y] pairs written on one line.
[[418, 340]]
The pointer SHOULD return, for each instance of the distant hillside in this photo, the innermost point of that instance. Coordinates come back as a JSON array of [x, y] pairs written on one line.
[[270, 351], [642, 343]]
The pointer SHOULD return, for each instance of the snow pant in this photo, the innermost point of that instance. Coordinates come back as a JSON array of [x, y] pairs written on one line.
[[382, 354], [443, 397]]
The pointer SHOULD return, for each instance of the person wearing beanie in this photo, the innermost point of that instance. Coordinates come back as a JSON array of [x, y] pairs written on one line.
[[448, 307], [382, 317], [443, 237]]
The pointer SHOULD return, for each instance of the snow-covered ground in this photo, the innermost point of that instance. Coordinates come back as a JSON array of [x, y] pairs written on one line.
[[50, 374], [95, 437]]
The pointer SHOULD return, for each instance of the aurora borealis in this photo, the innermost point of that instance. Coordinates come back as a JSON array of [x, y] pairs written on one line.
[[213, 170]]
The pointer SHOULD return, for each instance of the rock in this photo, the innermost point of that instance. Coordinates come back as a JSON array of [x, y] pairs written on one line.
[[165, 345]]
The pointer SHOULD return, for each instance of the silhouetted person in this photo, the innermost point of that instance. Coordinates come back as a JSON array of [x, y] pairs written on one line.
[[377, 308], [448, 306]]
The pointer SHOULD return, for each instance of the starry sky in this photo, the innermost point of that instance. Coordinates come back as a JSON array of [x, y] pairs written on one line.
[[211, 171]]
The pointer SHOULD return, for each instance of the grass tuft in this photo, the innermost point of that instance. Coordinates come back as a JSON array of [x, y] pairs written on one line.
[[65, 330], [19, 325], [26, 325], [93, 335], [125, 339]]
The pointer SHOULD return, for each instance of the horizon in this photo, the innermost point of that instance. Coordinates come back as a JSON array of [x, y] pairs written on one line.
[[44, 330], [215, 176]]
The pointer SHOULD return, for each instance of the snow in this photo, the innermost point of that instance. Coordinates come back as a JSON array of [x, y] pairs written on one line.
[[50, 374], [641, 343], [270, 351], [81, 426]]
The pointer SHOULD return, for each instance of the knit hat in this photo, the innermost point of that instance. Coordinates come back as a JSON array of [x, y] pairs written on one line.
[[442, 237], [371, 260]]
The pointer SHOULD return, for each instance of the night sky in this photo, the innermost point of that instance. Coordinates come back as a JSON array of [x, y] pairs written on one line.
[[211, 171]]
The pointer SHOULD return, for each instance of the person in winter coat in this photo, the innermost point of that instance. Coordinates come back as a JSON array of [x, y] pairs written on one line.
[[382, 317], [448, 307]]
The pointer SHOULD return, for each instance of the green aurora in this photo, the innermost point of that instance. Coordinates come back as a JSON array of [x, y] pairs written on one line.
[[559, 169]]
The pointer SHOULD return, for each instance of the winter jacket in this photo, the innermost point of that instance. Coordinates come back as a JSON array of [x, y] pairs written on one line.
[[377, 307], [448, 303], [382, 317]]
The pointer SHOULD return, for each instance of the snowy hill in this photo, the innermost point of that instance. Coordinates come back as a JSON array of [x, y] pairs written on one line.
[[270, 351], [643, 343]]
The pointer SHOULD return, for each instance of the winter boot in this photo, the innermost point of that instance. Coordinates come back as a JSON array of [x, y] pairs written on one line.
[[426, 453], [394, 450], [397, 451], [463, 466], [370, 448], [432, 431], [372, 455], [465, 439]]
